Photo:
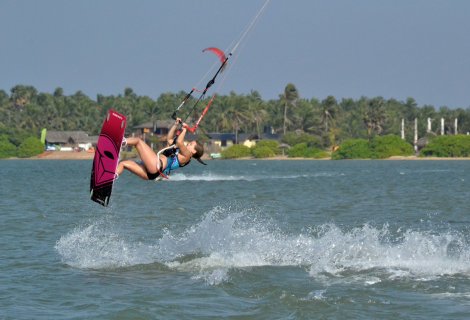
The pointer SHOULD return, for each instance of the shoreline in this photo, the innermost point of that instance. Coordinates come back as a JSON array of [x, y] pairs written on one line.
[[83, 155]]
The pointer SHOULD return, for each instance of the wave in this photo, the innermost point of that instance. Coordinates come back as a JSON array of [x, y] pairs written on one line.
[[227, 177], [229, 238]]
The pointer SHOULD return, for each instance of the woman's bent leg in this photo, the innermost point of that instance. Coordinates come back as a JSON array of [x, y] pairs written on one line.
[[148, 156], [132, 167]]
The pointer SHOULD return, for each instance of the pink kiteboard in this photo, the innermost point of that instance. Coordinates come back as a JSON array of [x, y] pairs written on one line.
[[103, 172]]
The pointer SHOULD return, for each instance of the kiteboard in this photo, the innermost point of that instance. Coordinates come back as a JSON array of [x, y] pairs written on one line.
[[106, 159]]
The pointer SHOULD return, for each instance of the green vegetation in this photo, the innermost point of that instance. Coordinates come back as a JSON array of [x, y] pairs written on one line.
[[266, 149], [7, 149], [448, 146], [263, 152], [30, 147], [304, 145], [390, 145], [263, 149], [320, 123], [353, 149], [270, 148], [302, 150], [236, 151], [380, 147], [293, 138]]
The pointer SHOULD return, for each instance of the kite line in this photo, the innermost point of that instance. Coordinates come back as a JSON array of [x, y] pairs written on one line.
[[223, 58]]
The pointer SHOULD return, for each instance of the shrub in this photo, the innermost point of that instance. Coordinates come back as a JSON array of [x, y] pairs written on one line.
[[321, 154], [262, 146], [353, 149], [263, 152], [390, 145], [293, 138], [30, 147], [7, 149], [380, 147], [236, 151], [302, 150], [271, 144], [448, 146]]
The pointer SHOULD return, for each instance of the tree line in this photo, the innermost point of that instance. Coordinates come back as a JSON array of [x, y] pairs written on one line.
[[25, 111]]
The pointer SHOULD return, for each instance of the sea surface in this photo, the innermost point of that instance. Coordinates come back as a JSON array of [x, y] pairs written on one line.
[[238, 240]]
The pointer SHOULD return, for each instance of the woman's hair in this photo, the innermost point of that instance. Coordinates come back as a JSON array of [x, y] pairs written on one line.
[[199, 150]]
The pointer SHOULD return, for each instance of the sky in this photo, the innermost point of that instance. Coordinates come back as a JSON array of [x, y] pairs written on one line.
[[347, 49]]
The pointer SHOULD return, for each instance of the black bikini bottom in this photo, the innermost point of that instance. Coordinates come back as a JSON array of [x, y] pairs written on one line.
[[155, 175]]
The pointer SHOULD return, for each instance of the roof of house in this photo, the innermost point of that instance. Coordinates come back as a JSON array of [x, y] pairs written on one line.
[[221, 136], [72, 137]]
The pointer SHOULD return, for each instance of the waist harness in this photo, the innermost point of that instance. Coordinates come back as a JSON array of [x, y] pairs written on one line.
[[172, 162]]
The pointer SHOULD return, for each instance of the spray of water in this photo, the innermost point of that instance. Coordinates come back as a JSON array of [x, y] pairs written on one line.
[[228, 238], [211, 177], [100, 245]]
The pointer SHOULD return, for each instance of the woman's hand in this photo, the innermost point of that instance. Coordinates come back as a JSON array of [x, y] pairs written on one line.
[[187, 127], [171, 134]]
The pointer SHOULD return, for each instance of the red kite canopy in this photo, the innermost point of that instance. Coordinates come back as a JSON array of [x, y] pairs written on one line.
[[217, 52]]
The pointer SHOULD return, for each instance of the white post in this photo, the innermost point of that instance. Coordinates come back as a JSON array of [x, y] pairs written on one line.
[[455, 125], [416, 135], [403, 129], [442, 126], [429, 125]]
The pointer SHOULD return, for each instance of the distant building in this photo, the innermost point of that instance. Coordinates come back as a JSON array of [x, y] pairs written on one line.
[[159, 127], [69, 140]]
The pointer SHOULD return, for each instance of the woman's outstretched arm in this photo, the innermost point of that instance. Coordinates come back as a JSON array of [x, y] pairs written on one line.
[[171, 134]]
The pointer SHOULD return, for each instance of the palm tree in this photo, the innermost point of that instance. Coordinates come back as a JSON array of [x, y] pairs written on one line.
[[305, 115], [235, 113], [22, 95], [328, 111], [256, 111], [289, 99], [374, 116], [149, 109], [258, 114]]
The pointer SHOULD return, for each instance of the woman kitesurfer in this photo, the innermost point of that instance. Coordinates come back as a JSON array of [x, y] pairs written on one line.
[[155, 166]]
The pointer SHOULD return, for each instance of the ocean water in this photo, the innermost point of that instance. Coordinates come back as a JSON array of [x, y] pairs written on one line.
[[238, 240]]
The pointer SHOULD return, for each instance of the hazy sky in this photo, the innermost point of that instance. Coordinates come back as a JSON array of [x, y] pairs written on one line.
[[345, 48]]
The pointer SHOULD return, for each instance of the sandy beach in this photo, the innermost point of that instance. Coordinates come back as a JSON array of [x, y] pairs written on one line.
[[65, 155]]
